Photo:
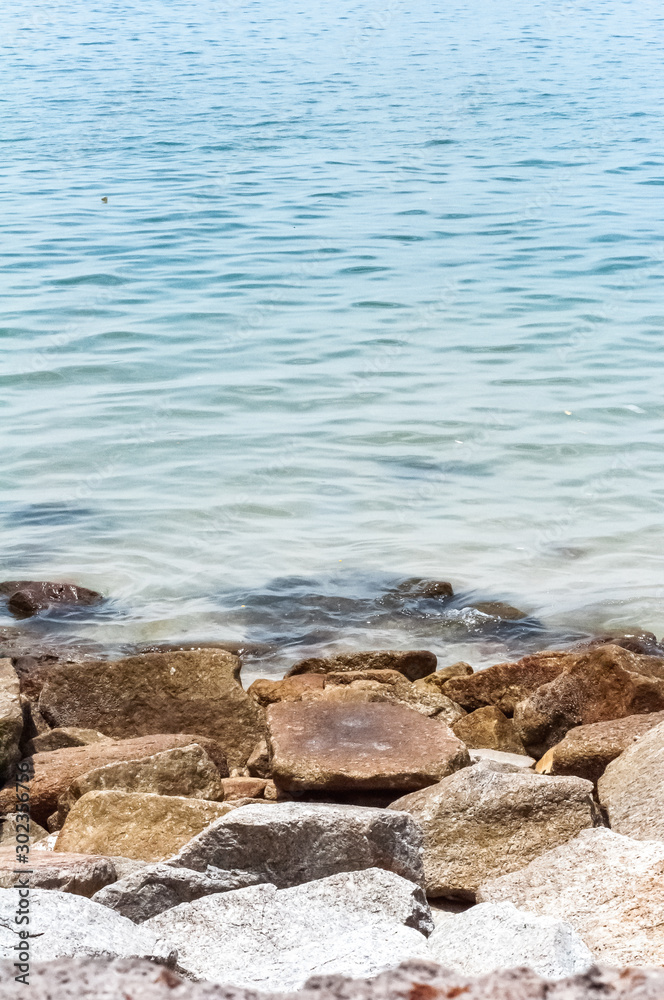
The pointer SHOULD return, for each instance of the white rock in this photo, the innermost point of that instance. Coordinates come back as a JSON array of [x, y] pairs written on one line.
[[502, 757]]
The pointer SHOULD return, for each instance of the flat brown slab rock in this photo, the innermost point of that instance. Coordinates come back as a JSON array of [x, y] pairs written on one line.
[[414, 663], [631, 789], [316, 745], [506, 684], [81, 874]]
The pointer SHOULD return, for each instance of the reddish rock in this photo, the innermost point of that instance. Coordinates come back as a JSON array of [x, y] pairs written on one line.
[[244, 788], [414, 663], [81, 874], [506, 684], [28, 597], [267, 692]]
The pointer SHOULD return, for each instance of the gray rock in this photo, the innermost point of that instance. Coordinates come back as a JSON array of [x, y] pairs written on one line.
[[8, 829], [501, 757], [11, 718], [82, 874], [508, 938], [632, 788]]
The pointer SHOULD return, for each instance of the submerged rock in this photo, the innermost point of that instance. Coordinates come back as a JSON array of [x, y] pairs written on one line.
[[631, 790], [28, 597], [414, 664]]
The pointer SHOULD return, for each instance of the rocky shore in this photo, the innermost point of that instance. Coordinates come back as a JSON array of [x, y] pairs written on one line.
[[190, 838]]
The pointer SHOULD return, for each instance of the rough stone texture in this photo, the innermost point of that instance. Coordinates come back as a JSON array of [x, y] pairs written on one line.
[[288, 843], [261, 937], [508, 938], [28, 597], [610, 888], [506, 684], [135, 824], [186, 691], [81, 874], [55, 770], [480, 823], [11, 718], [635, 640], [631, 790], [587, 750], [444, 674], [489, 729], [8, 829], [418, 587], [68, 736], [604, 683], [267, 692], [258, 764], [334, 746], [413, 663], [500, 757], [243, 788]]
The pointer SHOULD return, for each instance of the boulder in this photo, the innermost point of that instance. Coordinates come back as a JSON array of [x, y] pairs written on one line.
[[487, 728], [270, 939], [506, 684], [135, 824], [499, 609], [13, 823], [339, 746], [510, 938], [418, 587], [610, 888], [11, 718], [81, 874], [29, 597], [413, 663], [631, 790], [288, 843], [480, 823], [67, 736], [444, 674], [267, 692], [186, 691], [585, 751], [636, 640]]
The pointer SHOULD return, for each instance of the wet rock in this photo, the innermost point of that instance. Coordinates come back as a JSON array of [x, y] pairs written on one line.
[[288, 843], [243, 788], [241, 648], [480, 823], [610, 888], [11, 718], [510, 938], [506, 684], [487, 728], [631, 790], [414, 664], [195, 691], [635, 640], [81, 874], [418, 587], [585, 751], [58, 739], [29, 597], [135, 824], [498, 609], [321, 745]]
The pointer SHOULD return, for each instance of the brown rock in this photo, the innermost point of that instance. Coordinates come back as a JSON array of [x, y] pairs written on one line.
[[244, 788], [635, 640], [417, 587], [505, 684], [13, 823], [587, 750], [135, 824], [498, 609], [58, 739], [631, 790], [80, 874], [444, 674], [487, 728], [326, 745], [258, 764], [413, 664], [27, 598], [267, 692], [198, 691], [11, 718], [230, 646]]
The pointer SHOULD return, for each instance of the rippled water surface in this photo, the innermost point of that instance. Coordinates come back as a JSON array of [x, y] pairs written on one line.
[[301, 301]]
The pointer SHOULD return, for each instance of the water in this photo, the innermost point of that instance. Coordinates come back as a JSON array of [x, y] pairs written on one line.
[[375, 293]]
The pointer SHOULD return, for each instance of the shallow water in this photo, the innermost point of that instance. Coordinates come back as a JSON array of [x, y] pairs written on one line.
[[376, 292]]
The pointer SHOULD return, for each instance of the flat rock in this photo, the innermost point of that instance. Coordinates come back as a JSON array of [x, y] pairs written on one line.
[[29, 597], [480, 823], [506, 684], [184, 691], [488, 728], [67, 736], [414, 663], [631, 790], [500, 757], [135, 824], [339, 746], [586, 751], [288, 843], [11, 718], [610, 888], [81, 874], [510, 938]]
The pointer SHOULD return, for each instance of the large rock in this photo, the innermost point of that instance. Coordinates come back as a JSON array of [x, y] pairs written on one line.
[[196, 691], [510, 938], [82, 874], [28, 597], [610, 888], [488, 728], [269, 939], [340, 746], [13, 823], [585, 751], [135, 824], [287, 843], [11, 718], [58, 739], [505, 684], [414, 663], [480, 823], [54, 770], [604, 683], [631, 790]]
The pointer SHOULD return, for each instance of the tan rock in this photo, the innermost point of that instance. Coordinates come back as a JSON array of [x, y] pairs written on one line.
[[359, 746], [631, 790], [487, 728], [13, 823], [11, 718], [258, 764], [587, 750], [505, 684], [444, 674], [68, 736], [135, 824], [413, 664], [267, 692], [81, 874], [244, 788], [193, 690]]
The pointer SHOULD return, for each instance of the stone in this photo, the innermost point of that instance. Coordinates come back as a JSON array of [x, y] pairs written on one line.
[[635, 640], [594, 686], [510, 938], [288, 843], [186, 691], [585, 751], [327, 745], [243, 788], [258, 764], [126, 866], [444, 674], [11, 718], [610, 888], [58, 739], [414, 664], [134, 824], [506, 684], [498, 609], [631, 790], [29, 597], [14, 823], [55, 770], [500, 757], [418, 587], [480, 823], [487, 728], [267, 692], [81, 874], [270, 939]]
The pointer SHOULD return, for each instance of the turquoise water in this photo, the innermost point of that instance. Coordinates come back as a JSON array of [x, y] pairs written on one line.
[[376, 292]]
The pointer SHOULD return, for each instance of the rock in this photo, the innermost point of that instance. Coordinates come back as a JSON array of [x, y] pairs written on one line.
[[11, 718], [631, 790], [81, 874], [594, 686], [261, 937], [480, 823], [510, 938], [134, 824], [413, 664], [506, 684], [243, 788], [609, 887], [500, 757], [14, 823], [58, 739], [444, 674], [288, 843], [28, 597], [635, 640], [418, 587], [359, 746], [587, 750], [258, 764], [127, 866], [55, 770], [241, 648], [267, 692], [487, 728], [498, 609], [196, 691]]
